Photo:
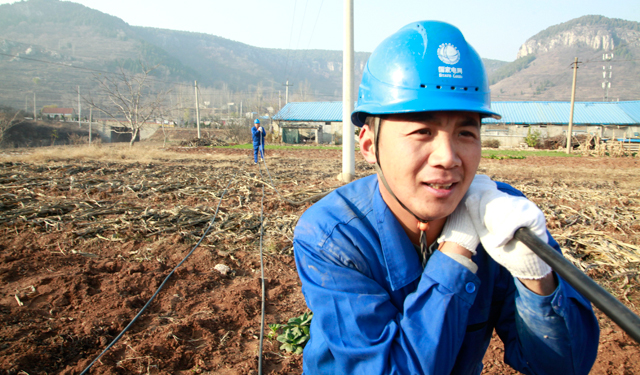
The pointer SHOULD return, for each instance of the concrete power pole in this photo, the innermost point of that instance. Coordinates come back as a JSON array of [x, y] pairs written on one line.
[[348, 147], [197, 110], [606, 85], [90, 121], [34, 107], [286, 95], [573, 99], [79, 108]]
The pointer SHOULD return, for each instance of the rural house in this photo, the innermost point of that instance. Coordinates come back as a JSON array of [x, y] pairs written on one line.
[[52, 112], [321, 122]]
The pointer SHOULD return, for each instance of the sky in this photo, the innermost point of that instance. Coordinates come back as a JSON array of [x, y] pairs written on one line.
[[495, 28]]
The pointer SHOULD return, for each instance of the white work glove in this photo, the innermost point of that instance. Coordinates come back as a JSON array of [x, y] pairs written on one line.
[[459, 229], [260, 128], [496, 216]]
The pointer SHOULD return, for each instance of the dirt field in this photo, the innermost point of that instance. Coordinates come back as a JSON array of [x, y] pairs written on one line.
[[85, 243]]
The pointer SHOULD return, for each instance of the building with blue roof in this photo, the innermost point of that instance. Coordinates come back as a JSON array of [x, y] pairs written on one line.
[[605, 119]]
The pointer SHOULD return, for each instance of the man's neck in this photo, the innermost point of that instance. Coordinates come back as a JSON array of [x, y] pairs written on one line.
[[408, 222]]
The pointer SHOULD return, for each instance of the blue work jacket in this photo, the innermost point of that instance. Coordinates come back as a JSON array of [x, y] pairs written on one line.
[[376, 311], [258, 137]]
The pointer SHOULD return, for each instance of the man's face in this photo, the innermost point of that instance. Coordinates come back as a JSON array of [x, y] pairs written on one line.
[[429, 159]]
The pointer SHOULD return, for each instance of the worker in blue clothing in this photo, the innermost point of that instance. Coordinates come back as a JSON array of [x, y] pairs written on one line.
[[410, 270], [257, 134]]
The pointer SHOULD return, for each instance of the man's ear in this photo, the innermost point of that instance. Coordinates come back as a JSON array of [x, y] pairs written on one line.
[[367, 144]]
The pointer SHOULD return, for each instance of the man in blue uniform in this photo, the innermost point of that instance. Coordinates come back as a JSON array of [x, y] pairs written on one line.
[[410, 271], [257, 134]]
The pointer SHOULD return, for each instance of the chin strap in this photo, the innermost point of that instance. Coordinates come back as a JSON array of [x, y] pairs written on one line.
[[423, 225]]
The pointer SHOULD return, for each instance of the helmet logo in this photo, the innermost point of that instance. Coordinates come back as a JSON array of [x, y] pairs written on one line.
[[448, 53]]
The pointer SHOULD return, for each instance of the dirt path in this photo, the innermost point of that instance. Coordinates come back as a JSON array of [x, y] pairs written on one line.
[[83, 246]]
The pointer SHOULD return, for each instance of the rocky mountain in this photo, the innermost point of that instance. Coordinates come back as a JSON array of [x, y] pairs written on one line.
[[608, 52]]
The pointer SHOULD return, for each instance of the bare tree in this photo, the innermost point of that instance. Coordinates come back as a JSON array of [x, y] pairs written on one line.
[[129, 99], [238, 131], [8, 119]]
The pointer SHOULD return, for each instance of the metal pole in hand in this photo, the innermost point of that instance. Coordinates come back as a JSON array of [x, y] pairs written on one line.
[[607, 303]]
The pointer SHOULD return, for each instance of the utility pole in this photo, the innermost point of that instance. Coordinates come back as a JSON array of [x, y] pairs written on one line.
[[34, 107], [79, 109], [240, 114], [573, 99], [90, 121], [25, 104], [279, 100], [606, 85], [286, 95], [197, 110], [348, 149]]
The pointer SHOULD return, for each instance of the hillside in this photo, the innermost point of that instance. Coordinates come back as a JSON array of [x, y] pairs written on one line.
[[61, 46], [65, 34], [542, 70]]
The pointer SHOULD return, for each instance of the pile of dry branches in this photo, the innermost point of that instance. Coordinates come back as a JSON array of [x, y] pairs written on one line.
[[596, 226], [118, 202], [203, 142]]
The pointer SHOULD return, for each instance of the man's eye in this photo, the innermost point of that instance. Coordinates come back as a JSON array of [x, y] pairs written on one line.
[[468, 134], [424, 131]]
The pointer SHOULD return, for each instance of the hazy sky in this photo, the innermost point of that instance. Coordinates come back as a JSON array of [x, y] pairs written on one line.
[[496, 28]]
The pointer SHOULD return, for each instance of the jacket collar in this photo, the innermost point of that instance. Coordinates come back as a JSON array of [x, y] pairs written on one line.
[[401, 258]]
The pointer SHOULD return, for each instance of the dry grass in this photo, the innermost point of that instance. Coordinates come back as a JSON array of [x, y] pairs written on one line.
[[589, 171], [144, 152]]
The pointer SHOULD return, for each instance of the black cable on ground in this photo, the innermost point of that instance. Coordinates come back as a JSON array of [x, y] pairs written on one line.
[[166, 279], [262, 276]]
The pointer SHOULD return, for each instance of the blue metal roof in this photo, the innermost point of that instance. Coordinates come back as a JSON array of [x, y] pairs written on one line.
[[545, 113], [310, 111], [631, 108], [556, 113]]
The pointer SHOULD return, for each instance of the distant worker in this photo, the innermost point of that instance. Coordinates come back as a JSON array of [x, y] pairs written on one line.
[[411, 270], [257, 133]]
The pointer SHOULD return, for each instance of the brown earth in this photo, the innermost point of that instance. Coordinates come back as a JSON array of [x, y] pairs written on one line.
[[84, 245]]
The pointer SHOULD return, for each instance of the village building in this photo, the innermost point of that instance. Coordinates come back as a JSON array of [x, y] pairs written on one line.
[[55, 112], [321, 122]]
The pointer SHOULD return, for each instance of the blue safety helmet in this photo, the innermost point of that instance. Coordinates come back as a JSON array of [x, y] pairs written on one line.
[[425, 66], [256, 121]]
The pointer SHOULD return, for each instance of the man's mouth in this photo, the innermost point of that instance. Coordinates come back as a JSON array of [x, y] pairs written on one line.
[[440, 186]]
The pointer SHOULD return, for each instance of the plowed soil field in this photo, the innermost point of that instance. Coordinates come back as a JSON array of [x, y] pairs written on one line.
[[85, 243]]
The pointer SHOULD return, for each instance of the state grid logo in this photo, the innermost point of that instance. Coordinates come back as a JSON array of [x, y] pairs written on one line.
[[448, 53]]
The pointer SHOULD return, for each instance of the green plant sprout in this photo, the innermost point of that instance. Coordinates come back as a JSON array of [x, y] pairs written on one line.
[[295, 333]]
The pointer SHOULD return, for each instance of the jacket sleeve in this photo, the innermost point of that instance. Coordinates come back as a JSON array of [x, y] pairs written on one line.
[[561, 328], [362, 331]]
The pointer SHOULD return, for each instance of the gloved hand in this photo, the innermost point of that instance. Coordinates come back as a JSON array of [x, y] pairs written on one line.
[[260, 128], [496, 216], [459, 229]]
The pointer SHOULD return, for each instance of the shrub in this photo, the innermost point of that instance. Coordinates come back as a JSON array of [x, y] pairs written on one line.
[[491, 143], [532, 138]]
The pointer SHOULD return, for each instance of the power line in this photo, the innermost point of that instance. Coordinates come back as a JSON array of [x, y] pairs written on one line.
[[310, 38], [293, 18]]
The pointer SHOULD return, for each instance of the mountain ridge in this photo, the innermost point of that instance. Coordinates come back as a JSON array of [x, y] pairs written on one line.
[[229, 71]]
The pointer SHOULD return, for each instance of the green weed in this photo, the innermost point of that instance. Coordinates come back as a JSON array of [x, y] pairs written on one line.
[[295, 333]]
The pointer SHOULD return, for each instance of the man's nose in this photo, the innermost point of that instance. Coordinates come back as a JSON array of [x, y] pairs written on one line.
[[444, 152]]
